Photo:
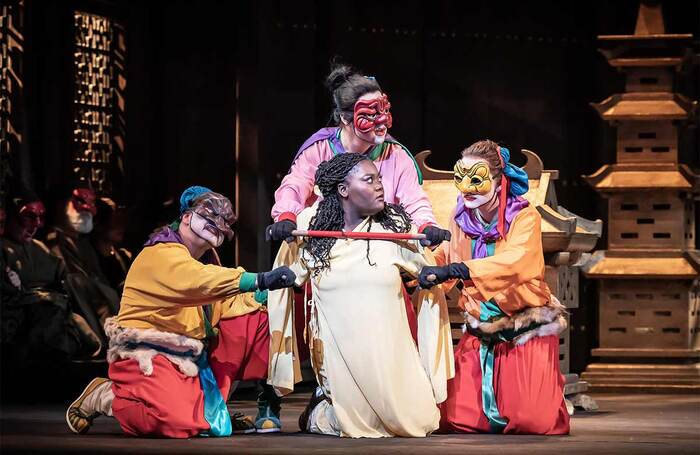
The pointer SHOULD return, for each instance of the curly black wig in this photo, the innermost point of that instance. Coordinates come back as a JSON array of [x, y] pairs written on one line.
[[331, 217]]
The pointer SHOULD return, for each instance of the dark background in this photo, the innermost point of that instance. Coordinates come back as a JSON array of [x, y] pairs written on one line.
[[221, 89]]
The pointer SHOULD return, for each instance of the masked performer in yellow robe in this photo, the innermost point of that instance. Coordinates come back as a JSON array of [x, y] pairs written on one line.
[[373, 381], [187, 328]]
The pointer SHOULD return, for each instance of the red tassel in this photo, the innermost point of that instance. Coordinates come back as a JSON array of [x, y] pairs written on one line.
[[502, 198], [502, 201]]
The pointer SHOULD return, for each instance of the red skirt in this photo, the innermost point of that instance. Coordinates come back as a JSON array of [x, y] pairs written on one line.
[[528, 386], [170, 404]]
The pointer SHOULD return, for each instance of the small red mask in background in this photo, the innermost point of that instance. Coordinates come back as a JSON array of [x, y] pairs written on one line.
[[83, 200], [32, 215]]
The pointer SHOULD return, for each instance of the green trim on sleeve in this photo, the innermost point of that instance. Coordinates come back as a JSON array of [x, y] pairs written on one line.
[[247, 283], [261, 296], [337, 136], [420, 174], [378, 150]]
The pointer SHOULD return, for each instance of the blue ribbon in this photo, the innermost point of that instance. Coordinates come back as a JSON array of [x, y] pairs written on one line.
[[489, 310], [489, 404], [517, 176], [215, 410]]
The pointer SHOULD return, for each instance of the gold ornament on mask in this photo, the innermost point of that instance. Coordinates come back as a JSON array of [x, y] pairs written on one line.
[[473, 180]]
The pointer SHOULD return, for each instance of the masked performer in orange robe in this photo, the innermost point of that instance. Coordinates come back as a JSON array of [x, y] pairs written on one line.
[[507, 377]]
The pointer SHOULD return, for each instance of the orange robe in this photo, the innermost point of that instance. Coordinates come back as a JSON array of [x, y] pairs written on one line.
[[523, 387], [513, 277]]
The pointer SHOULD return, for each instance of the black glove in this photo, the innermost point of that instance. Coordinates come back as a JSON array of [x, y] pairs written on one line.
[[281, 230], [281, 277], [435, 236], [442, 274]]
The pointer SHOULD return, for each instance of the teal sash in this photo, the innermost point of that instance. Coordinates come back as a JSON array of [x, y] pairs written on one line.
[[491, 312], [215, 410]]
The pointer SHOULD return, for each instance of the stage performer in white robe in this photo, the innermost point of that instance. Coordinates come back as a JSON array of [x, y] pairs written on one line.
[[374, 380]]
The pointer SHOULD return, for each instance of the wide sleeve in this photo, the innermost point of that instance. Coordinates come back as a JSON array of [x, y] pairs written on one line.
[[238, 305], [434, 333], [284, 370], [54, 265], [454, 250], [411, 257], [442, 254], [170, 273], [297, 186], [409, 192], [514, 275]]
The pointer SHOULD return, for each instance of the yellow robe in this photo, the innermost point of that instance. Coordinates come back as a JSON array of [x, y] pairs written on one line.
[[166, 288], [361, 343], [513, 276]]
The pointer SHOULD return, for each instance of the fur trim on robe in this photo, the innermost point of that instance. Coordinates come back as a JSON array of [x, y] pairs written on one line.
[[551, 317], [119, 337]]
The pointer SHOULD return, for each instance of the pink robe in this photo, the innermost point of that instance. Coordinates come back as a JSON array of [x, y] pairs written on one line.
[[395, 165]]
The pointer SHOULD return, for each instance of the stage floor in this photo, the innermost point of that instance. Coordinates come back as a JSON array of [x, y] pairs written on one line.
[[625, 424]]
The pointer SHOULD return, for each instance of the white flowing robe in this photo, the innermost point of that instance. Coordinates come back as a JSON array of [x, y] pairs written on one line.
[[379, 384]]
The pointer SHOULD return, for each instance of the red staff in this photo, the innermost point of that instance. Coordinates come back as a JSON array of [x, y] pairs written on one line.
[[359, 235]]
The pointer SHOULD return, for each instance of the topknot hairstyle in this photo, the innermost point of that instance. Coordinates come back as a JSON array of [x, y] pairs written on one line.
[[347, 85]]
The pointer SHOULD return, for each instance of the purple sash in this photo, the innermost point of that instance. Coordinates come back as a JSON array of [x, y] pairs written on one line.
[[329, 133], [473, 227], [168, 235]]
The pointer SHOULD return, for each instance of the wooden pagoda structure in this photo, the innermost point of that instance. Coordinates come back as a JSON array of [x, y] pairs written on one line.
[[649, 295]]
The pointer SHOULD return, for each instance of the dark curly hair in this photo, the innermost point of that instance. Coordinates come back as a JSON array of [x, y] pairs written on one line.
[[331, 217]]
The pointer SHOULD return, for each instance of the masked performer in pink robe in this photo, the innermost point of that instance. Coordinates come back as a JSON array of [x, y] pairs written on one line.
[[507, 377], [361, 113]]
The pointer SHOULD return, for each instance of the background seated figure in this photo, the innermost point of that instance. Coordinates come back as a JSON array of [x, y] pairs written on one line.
[[72, 213], [37, 321], [107, 237]]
